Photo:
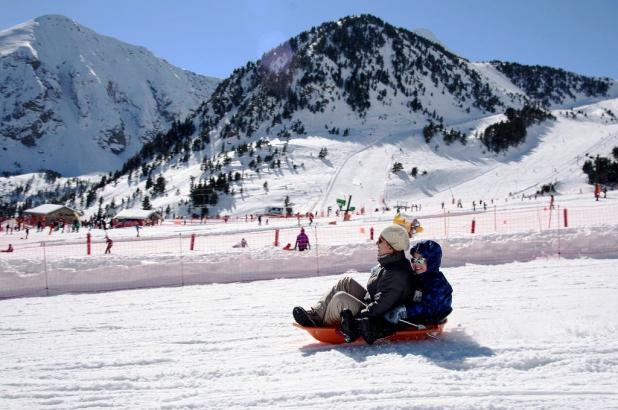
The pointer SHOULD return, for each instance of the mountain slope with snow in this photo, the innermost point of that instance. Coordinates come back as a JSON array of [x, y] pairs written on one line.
[[76, 102], [363, 93]]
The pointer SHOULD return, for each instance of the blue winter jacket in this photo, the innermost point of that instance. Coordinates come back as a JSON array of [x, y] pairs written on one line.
[[432, 294]]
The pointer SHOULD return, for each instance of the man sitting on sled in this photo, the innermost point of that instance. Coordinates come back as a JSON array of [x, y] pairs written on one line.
[[389, 285]]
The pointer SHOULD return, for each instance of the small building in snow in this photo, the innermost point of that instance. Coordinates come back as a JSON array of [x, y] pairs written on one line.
[[48, 214], [132, 217]]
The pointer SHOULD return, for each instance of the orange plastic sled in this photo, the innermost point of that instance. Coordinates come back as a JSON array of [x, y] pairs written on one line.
[[331, 334]]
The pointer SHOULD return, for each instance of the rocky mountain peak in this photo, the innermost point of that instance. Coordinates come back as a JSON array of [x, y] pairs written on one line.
[[74, 101]]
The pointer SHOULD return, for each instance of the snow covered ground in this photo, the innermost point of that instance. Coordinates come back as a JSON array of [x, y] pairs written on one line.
[[538, 334], [534, 323]]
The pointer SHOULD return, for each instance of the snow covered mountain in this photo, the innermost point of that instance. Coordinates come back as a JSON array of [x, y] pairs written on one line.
[[359, 107], [75, 102], [363, 71]]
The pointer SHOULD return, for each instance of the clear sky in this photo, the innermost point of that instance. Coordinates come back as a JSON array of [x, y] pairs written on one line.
[[213, 37]]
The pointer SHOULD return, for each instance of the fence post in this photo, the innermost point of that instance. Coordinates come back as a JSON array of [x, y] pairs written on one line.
[[45, 269], [88, 243], [558, 228], [371, 233], [182, 273], [276, 243], [192, 247], [317, 256], [566, 218], [473, 226]]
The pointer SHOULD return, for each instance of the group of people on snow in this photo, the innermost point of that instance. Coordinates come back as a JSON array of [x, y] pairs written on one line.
[[400, 291]]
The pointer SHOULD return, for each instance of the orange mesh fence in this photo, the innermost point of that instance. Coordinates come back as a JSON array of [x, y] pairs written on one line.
[[180, 253]]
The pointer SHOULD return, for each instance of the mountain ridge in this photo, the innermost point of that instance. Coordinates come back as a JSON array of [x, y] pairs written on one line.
[[64, 84]]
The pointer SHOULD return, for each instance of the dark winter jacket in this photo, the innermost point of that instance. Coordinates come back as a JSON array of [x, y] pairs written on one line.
[[389, 285], [432, 294]]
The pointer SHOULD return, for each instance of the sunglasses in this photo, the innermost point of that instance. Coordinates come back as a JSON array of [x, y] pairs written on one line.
[[419, 261]]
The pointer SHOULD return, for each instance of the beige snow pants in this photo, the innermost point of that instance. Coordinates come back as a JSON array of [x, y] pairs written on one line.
[[346, 294]]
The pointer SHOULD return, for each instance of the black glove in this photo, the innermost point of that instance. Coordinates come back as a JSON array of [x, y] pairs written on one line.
[[374, 329], [349, 327]]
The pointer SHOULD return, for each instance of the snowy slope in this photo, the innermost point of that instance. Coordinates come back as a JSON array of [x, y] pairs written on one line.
[[360, 166], [523, 335], [554, 152], [77, 102]]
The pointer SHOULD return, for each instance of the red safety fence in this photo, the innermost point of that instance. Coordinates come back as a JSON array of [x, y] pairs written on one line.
[[178, 254]]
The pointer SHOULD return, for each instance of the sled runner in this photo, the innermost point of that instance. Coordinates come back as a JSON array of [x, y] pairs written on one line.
[[333, 335]]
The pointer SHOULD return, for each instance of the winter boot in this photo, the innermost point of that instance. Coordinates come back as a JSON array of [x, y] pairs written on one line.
[[375, 329], [349, 327], [306, 318]]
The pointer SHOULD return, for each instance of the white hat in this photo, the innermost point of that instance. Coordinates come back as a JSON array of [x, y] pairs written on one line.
[[397, 237]]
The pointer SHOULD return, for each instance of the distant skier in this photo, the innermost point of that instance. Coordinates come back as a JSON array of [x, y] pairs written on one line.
[[9, 249], [597, 191], [109, 243], [302, 241]]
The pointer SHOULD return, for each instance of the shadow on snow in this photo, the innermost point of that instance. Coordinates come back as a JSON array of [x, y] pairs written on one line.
[[450, 351]]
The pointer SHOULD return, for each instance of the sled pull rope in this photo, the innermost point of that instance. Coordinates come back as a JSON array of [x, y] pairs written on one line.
[[419, 327]]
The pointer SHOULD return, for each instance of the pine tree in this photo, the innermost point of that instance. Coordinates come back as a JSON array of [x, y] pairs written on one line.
[[159, 187], [146, 205]]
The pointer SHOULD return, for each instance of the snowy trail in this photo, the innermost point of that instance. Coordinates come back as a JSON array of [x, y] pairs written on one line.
[[349, 171], [539, 334]]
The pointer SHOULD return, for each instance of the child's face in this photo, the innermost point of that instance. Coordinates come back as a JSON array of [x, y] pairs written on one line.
[[419, 263]]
